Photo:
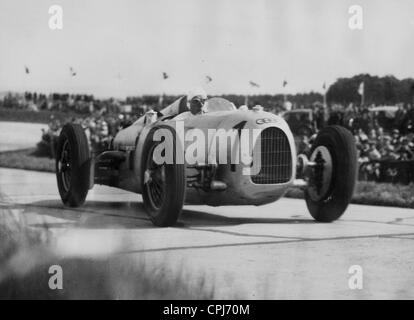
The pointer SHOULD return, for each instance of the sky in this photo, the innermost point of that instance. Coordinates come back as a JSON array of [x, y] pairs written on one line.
[[121, 48]]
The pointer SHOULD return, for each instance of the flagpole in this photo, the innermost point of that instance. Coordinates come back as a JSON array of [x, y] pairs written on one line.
[[162, 94], [253, 85], [161, 100], [361, 91], [284, 92], [26, 84], [363, 97]]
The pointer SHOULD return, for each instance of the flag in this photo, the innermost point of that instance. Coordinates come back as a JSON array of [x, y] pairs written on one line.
[[324, 86], [26, 69], [165, 75], [254, 84], [72, 72], [209, 79], [361, 88], [284, 83]]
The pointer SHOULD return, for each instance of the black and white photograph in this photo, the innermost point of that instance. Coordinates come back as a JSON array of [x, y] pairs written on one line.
[[206, 150]]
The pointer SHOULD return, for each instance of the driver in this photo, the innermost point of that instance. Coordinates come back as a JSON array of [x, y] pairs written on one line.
[[196, 100]]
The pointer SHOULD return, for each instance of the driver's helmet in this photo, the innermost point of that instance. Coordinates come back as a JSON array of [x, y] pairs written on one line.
[[197, 94]]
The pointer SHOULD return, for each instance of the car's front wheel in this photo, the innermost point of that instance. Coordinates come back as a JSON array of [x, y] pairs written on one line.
[[73, 165], [333, 174], [163, 185]]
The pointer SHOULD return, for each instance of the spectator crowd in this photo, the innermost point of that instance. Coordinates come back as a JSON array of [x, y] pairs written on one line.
[[384, 140], [99, 130]]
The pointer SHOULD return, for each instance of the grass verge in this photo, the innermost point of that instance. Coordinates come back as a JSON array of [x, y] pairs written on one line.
[[27, 253], [375, 194], [111, 278], [26, 159], [42, 116]]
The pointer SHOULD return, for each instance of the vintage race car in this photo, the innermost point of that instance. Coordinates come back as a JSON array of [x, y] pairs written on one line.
[[270, 167]]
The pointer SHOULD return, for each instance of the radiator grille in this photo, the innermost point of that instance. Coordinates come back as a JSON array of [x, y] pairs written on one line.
[[274, 158]]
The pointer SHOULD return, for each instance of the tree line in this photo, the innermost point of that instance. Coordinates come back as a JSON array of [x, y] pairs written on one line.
[[387, 90]]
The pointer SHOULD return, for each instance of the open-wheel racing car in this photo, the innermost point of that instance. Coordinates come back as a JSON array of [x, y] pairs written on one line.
[[327, 174]]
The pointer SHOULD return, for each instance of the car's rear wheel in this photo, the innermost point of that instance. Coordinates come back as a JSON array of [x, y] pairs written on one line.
[[163, 185], [332, 178], [73, 165]]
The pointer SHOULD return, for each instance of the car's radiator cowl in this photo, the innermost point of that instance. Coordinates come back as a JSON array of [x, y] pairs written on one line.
[[272, 158]]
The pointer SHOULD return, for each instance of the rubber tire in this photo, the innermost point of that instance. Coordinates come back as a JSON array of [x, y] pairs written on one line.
[[80, 165], [341, 145], [174, 199]]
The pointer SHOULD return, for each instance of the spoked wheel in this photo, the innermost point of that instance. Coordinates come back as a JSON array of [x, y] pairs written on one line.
[[333, 174], [154, 181], [64, 168], [73, 165], [163, 185]]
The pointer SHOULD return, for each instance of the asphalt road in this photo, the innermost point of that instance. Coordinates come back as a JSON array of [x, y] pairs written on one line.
[[271, 252]]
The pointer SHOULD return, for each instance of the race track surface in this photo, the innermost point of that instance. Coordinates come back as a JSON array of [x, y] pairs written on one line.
[[271, 252]]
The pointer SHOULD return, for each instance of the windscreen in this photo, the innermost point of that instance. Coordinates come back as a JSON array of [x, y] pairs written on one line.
[[219, 104]]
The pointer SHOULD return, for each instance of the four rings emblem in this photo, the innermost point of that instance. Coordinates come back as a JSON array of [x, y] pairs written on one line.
[[265, 120]]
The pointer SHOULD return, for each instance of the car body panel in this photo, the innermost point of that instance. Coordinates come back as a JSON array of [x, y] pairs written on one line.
[[240, 188]]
